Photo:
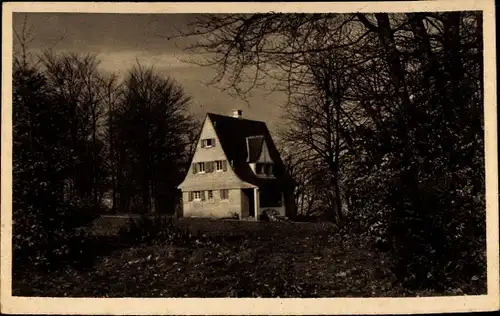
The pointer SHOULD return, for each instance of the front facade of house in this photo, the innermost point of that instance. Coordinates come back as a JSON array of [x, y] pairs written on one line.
[[235, 171]]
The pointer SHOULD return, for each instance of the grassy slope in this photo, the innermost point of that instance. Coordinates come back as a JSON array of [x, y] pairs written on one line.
[[254, 260]]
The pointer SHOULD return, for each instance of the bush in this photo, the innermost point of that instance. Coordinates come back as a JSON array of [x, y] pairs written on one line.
[[443, 245], [47, 220], [148, 229], [306, 218], [434, 228], [50, 238], [264, 217]]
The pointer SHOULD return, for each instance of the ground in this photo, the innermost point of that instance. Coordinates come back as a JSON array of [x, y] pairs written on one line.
[[255, 259]]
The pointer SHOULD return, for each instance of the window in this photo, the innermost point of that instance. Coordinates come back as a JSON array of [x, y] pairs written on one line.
[[197, 195], [259, 168], [208, 142], [224, 194], [219, 165], [264, 168], [201, 167], [268, 169], [205, 167], [210, 195]]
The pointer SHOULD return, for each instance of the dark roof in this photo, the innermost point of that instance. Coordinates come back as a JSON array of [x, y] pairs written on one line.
[[233, 134]]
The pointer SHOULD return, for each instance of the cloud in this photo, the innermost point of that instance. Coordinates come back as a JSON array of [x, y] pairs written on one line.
[[193, 78], [122, 61]]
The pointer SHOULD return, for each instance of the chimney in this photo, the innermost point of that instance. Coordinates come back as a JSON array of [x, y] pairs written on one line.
[[237, 113]]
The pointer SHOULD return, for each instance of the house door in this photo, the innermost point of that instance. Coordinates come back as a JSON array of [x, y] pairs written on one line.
[[249, 196]]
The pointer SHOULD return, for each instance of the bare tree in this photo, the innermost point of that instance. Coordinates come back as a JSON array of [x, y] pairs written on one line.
[[23, 38], [153, 131], [77, 83], [111, 96]]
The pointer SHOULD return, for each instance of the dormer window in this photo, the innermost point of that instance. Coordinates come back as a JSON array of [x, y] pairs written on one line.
[[259, 168], [268, 168], [208, 143], [264, 169]]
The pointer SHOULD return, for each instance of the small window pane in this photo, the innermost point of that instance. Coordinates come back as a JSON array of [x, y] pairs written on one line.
[[218, 165], [201, 167], [197, 195], [269, 168], [209, 142], [260, 168]]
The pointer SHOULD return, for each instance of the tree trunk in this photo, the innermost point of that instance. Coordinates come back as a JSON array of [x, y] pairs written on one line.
[[95, 175], [405, 192], [454, 70], [338, 195], [152, 195]]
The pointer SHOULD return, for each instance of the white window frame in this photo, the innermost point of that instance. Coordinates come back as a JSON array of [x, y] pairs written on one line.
[[219, 167], [205, 143], [196, 195], [210, 195], [201, 165]]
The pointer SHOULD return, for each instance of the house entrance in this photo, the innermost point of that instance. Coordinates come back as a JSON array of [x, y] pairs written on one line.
[[249, 197]]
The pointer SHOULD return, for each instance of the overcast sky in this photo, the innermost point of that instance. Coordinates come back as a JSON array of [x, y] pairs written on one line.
[[118, 39]]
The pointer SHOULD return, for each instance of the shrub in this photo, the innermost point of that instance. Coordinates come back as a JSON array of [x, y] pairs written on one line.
[[434, 228], [264, 217], [443, 245], [148, 229], [49, 238], [47, 219]]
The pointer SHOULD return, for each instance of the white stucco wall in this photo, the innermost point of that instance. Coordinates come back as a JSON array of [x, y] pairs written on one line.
[[213, 180], [213, 208]]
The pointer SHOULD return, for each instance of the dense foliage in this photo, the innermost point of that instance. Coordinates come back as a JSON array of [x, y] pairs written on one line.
[[44, 226]]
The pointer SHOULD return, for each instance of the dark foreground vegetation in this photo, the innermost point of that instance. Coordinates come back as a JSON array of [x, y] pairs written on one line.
[[218, 258]]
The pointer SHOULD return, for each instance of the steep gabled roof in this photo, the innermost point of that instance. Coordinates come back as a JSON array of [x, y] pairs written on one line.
[[233, 134]]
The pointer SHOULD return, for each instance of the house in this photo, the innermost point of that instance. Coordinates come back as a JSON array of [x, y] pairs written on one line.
[[236, 170]]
